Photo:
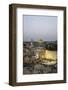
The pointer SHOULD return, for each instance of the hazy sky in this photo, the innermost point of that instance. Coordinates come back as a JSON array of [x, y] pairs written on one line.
[[40, 27]]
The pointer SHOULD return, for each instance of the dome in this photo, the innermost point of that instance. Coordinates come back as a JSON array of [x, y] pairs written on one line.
[[40, 41]]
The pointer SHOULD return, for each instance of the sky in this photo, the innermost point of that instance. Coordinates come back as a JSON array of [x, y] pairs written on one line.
[[40, 27]]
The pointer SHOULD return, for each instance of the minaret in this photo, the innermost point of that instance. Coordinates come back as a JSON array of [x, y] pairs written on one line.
[[31, 43]]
